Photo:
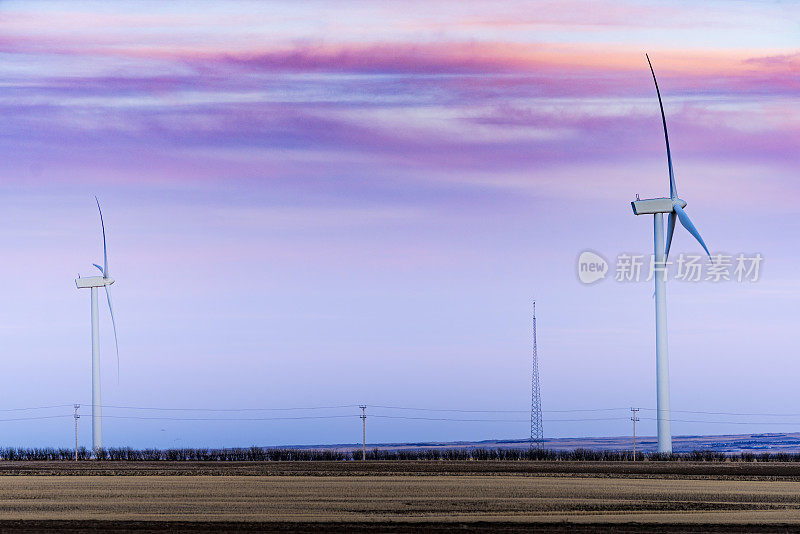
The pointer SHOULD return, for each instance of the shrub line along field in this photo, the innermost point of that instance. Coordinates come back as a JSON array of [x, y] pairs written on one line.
[[399, 496], [260, 454]]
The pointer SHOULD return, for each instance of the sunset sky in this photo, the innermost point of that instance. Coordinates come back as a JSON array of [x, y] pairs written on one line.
[[318, 204]]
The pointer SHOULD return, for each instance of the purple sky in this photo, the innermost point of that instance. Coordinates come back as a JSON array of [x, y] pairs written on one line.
[[315, 204]]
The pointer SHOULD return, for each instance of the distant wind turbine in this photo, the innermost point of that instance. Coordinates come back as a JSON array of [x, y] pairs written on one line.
[[93, 282], [658, 206]]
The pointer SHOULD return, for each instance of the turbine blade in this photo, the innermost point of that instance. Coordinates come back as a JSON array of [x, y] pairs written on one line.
[[670, 231], [673, 190], [105, 250], [99, 268], [114, 324], [687, 223]]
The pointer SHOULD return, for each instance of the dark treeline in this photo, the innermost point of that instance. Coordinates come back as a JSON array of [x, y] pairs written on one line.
[[261, 454]]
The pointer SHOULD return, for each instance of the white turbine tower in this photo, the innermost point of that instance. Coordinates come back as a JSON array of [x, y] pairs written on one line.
[[657, 207], [94, 282]]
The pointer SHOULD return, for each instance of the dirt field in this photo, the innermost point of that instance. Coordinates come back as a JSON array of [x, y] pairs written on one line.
[[400, 496]]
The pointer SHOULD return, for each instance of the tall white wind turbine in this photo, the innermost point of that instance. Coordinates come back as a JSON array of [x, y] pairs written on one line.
[[657, 207], [93, 283]]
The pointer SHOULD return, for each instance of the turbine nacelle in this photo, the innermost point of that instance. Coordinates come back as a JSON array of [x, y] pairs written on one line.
[[650, 206], [93, 281]]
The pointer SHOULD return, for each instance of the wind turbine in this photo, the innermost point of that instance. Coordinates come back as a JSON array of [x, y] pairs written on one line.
[[657, 207], [94, 282]]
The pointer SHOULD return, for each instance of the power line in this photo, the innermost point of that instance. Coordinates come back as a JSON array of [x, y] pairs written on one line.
[[165, 409], [412, 418], [35, 408], [395, 417], [762, 414], [382, 406], [340, 406], [493, 411], [444, 409], [494, 420], [450, 419], [34, 418], [404, 408], [586, 410], [728, 422], [400, 417], [228, 418]]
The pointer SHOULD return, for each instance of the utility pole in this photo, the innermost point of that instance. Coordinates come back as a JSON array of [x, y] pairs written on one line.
[[76, 430], [364, 423], [634, 419]]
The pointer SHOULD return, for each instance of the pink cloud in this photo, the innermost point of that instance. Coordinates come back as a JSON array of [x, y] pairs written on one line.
[[569, 70], [132, 108]]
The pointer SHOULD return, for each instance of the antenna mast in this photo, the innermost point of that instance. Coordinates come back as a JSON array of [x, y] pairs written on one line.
[[537, 433]]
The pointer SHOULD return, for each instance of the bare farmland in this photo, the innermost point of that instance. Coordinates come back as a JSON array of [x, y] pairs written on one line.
[[400, 496]]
